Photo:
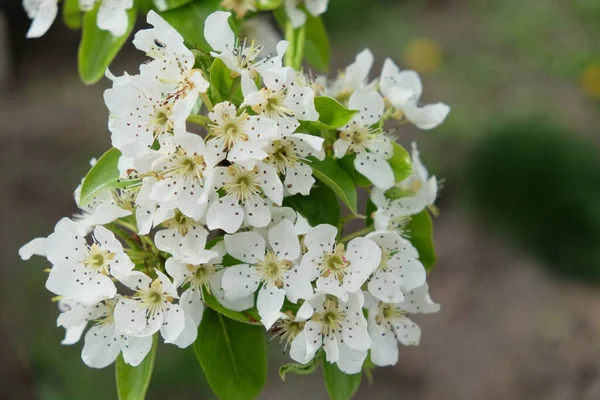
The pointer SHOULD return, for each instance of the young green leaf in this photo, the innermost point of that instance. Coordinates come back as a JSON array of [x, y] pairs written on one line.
[[188, 20], [72, 14], [133, 382], [331, 174], [400, 163], [332, 114], [103, 175], [340, 386], [420, 229], [248, 316], [232, 355], [98, 48], [164, 5], [317, 49], [328, 210], [222, 86], [299, 369], [266, 5]]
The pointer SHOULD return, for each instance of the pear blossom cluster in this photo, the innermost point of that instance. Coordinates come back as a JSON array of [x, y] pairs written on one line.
[[200, 216]]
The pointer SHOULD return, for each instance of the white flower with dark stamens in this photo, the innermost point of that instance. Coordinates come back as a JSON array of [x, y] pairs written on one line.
[[151, 308], [112, 14], [81, 271], [389, 324], [239, 7], [139, 115], [149, 213], [339, 270], [74, 318], [181, 177], [354, 77], [240, 57], [172, 69], [297, 16], [102, 342], [409, 197], [372, 148], [272, 267], [288, 156], [43, 13], [339, 327], [399, 270], [184, 238], [200, 278], [105, 207], [239, 138], [403, 90], [244, 197], [283, 99]]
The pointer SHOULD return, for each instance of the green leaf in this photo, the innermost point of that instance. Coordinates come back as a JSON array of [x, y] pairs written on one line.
[[222, 86], [317, 49], [266, 5], [98, 48], [164, 5], [340, 386], [133, 382], [400, 163], [299, 369], [332, 114], [328, 210], [420, 229], [331, 174], [188, 20], [72, 15], [232, 355], [103, 175], [248, 316]]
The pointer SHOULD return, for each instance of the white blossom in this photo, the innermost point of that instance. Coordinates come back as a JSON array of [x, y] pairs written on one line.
[[354, 77], [181, 176], [390, 325], [403, 89], [239, 138], [43, 13], [297, 16], [399, 270], [274, 267], [247, 192], [200, 278], [288, 156], [283, 99], [151, 308], [241, 57], [372, 148], [416, 193], [140, 114], [339, 270], [104, 207], [112, 14], [81, 271], [337, 326], [173, 66], [184, 238]]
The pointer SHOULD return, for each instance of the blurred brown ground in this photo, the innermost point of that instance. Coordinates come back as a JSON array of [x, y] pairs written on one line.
[[507, 330]]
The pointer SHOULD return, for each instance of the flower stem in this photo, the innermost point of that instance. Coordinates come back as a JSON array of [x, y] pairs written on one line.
[[289, 56], [356, 234], [206, 101], [299, 51]]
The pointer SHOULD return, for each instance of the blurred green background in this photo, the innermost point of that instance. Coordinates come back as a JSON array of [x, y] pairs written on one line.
[[518, 237]]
